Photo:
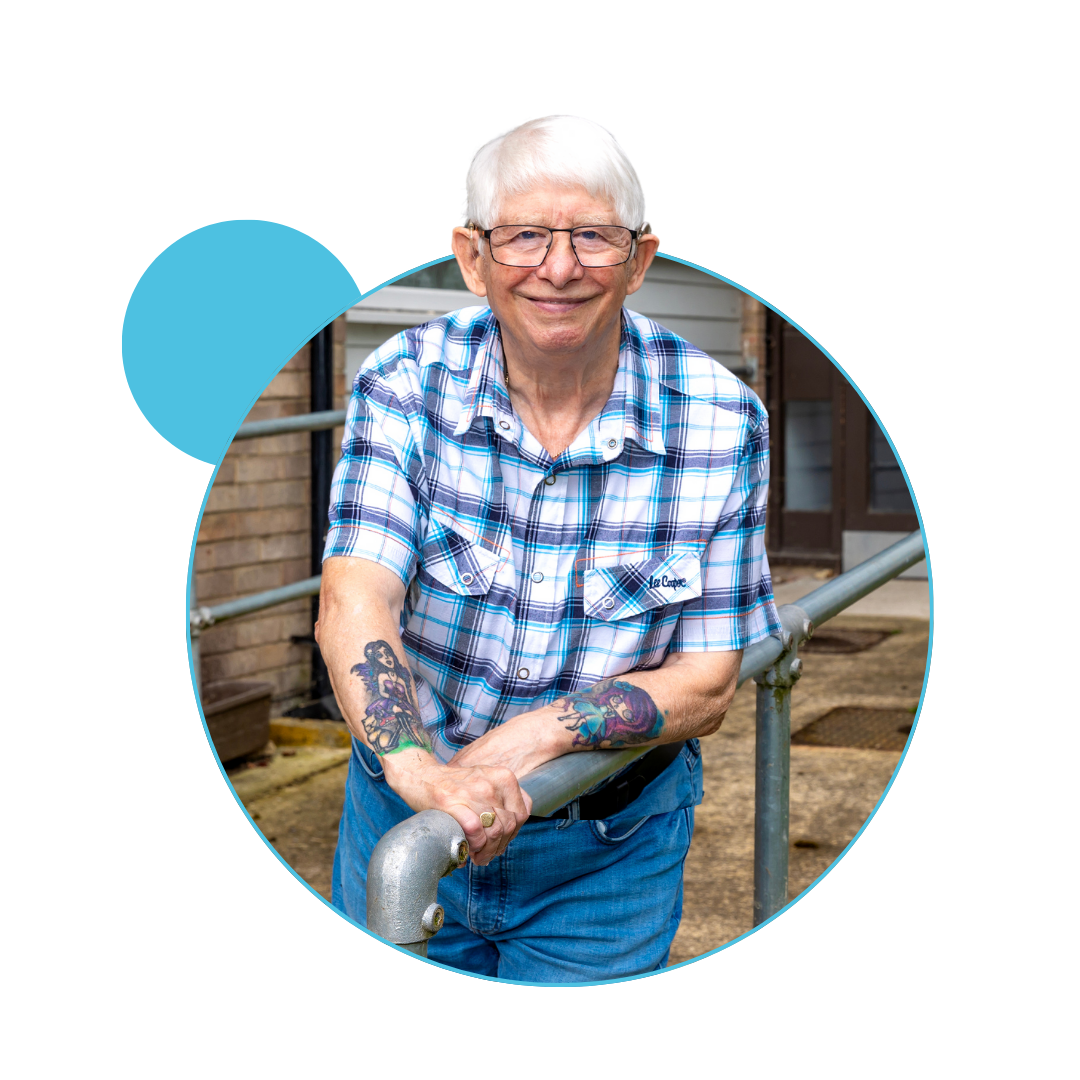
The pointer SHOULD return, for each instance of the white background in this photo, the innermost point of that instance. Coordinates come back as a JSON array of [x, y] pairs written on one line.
[[902, 187]]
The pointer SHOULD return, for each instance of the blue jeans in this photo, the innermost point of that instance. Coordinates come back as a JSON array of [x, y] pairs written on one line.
[[568, 901]]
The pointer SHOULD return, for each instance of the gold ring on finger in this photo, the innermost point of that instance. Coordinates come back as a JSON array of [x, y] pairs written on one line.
[[487, 818]]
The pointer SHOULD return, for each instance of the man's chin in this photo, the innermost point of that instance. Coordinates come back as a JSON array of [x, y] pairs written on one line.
[[561, 339]]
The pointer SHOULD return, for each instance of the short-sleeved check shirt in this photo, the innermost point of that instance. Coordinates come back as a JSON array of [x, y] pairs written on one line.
[[528, 577]]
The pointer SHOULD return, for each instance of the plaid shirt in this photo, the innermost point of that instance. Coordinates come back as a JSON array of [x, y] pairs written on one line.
[[528, 577]]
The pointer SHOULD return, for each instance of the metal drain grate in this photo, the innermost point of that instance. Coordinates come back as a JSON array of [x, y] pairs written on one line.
[[863, 729], [832, 640]]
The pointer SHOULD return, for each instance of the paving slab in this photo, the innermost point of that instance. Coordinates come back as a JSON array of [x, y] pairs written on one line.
[[906, 599]]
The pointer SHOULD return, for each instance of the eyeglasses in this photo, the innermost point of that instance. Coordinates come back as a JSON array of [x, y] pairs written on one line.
[[528, 245]]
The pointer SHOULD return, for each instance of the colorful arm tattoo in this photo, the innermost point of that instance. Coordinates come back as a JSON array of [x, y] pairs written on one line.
[[611, 713], [392, 722]]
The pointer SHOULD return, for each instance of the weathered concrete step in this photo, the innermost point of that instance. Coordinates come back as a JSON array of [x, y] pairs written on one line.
[[286, 731], [284, 769]]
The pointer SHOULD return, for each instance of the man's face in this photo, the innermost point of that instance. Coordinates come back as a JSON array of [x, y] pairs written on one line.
[[560, 306]]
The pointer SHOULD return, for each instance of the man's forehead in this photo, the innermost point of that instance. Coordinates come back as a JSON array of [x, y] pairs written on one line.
[[553, 205]]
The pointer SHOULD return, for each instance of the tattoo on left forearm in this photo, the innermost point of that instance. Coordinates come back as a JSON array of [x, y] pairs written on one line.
[[391, 721], [611, 713]]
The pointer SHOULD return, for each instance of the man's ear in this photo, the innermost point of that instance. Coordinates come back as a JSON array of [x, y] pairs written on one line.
[[465, 244], [647, 247]]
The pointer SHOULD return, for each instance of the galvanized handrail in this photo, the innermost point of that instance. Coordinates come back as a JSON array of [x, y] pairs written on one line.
[[285, 425], [202, 617], [206, 616], [199, 618], [414, 916]]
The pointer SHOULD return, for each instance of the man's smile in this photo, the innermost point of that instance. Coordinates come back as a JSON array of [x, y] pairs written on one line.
[[557, 305]]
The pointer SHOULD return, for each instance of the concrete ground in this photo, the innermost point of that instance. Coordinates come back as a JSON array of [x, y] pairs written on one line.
[[295, 797]]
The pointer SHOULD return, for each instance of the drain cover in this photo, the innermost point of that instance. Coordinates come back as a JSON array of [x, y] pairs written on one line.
[[831, 640], [863, 729]]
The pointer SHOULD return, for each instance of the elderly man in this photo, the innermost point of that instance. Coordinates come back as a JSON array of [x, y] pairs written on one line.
[[546, 537]]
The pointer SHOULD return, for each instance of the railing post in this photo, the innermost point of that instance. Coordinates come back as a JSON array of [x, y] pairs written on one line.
[[772, 767]]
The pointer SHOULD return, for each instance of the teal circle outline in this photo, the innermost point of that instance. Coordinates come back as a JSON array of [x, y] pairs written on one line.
[[727, 944]]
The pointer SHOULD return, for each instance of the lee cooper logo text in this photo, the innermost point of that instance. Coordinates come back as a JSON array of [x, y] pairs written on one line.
[[666, 582]]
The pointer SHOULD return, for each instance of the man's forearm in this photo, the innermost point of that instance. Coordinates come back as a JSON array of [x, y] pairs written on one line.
[[371, 680], [357, 632], [684, 698]]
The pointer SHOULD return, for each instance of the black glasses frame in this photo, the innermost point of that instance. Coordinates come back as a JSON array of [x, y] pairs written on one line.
[[634, 234]]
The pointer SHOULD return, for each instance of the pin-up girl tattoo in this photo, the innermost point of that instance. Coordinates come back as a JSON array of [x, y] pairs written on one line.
[[611, 713], [391, 721]]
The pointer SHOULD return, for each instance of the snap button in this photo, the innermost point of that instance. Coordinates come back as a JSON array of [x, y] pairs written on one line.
[[613, 443], [609, 603], [549, 480], [504, 425], [523, 673], [538, 577], [466, 579]]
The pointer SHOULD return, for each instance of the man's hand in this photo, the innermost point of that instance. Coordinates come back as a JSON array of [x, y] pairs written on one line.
[[359, 615], [464, 794]]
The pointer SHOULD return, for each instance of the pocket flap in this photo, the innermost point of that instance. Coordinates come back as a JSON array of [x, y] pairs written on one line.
[[462, 566], [617, 592]]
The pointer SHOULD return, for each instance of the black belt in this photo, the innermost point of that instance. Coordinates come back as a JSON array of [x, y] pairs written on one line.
[[624, 789]]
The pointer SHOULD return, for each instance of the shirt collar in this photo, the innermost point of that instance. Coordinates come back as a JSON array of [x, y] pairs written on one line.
[[485, 393], [632, 413]]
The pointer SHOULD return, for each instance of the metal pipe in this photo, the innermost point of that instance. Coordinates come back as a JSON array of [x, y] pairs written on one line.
[[556, 782], [772, 784], [831, 598], [772, 766], [403, 878], [207, 616], [285, 425]]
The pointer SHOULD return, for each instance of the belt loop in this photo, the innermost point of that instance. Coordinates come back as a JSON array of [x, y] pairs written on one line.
[[574, 811]]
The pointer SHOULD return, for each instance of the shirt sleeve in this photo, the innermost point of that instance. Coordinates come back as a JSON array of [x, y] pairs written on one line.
[[375, 496], [736, 605]]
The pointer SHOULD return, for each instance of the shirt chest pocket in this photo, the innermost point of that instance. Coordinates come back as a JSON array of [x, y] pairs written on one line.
[[457, 563], [618, 592]]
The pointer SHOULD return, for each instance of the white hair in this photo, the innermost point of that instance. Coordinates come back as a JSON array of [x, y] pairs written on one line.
[[566, 151]]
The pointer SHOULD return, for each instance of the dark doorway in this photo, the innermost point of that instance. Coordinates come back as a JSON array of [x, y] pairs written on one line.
[[832, 470]]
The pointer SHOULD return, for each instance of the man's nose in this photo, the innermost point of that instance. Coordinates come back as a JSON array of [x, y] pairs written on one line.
[[561, 264]]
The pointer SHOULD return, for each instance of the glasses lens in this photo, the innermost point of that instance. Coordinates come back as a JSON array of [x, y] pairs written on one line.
[[519, 245], [602, 245]]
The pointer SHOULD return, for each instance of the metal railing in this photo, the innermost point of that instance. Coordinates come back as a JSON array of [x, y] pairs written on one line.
[[202, 617], [407, 863], [285, 425]]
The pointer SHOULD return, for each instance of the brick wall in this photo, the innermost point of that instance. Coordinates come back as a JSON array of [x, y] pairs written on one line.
[[256, 535]]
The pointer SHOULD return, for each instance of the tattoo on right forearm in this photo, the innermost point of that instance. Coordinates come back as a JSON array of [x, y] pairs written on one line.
[[391, 722]]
